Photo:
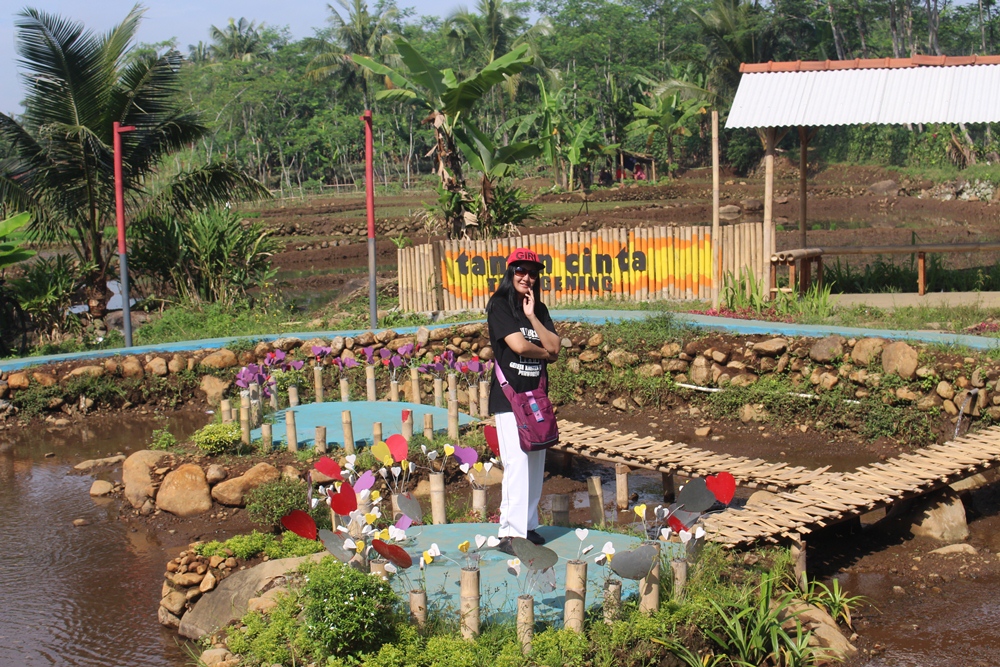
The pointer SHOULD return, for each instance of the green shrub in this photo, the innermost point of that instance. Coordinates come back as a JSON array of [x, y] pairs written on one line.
[[218, 438], [162, 439], [556, 648], [270, 501], [292, 546], [271, 639], [346, 612], [448, 651], [242, 546]]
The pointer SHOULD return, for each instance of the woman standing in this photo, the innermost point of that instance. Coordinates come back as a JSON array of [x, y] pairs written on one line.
[[524, 341]]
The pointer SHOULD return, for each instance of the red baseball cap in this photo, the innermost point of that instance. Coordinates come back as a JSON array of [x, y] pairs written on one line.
[[524, 256]]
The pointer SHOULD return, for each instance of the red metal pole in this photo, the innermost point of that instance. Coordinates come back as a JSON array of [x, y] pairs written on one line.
[[117, 130], [370, 205]]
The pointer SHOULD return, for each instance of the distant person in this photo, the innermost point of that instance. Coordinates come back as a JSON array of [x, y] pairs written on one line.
[[640, 172], [586, 177], [604, 178]]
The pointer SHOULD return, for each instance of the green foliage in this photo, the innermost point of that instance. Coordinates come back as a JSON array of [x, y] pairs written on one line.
[[12, 253], [214, 320], [886, 275], [346, 612], [45, 291], [744, 150], [834, 599], [162, 440], [247, 546], [104, 391], [276, 638], [555, 648], [502, 211], [207, 256], [218, 438], [885, 420], [272, 500], [775, 393]]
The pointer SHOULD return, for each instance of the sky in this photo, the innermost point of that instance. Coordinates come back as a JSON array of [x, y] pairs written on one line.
[[186, 20]]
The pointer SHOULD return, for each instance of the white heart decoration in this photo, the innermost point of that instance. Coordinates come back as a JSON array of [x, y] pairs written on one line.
[[660, 512], [384, 473], [363, 496], [434, 550], [351, 459], [464, 468], [699, 533], [587, 549], [423, 448], [396, 470], [413, 466], [390, 568], [492, 541], [514, 566], [350, 545], [665, 533], [432, 456], [487, 467], [608, 549], [480, 541], [685, 536], [581, 534]]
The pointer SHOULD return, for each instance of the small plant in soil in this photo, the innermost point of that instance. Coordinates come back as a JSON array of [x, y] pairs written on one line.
[[218, 438], [162, 440], [272, 500]]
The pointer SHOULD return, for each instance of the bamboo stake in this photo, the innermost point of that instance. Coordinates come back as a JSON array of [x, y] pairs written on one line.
[[453, 421], [649, 587], [394, 391], [439, 515], [474, 399], [768, 203], [377, 432], [798, 552], [320, 440], [560, 509], [596, 493], [318, 383], [267, 436], [418, 608], [293, 396], [667, 479], [525, 622], [438, 393], [429, 426], [612, 600], [408, 425], [452, 387], [348, 429], [679, 569], [484, 399], [414, 386], [469, 602], [290, 433], [345, 390], [576, 595], [479, 502], [226, 411], [621, 486], [245, 425], [370, 383], [377, 568]]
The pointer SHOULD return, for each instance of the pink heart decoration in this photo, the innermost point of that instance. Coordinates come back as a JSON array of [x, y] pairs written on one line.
[[344, 501], [330, 468], [300, 523], [404, 522], [722, 486], [393, 553], [398, 447], [466, 455], [365, 481], [492, 439]]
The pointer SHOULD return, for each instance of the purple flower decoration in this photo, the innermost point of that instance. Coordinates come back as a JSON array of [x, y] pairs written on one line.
[[406, 350], [369, 354], [320, 352], [295, 365], [385, 353], [466, 455], [272, 358]]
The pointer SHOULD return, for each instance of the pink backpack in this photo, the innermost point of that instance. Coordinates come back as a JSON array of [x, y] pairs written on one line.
[[536, 423]]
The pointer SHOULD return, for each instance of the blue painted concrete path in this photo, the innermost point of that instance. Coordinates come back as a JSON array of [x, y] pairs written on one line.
[[363, 415], [587, 316], [499, 589]]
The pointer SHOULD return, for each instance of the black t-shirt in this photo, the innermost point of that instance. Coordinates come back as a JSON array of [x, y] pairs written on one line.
[[523, 374]]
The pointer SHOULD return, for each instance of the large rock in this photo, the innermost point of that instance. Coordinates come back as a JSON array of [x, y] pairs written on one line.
[[90, 464], [940, 516], [773, 347], [287, 343], [621, 358], [701, 371], [177, 363], [222, 359], [232, 492], [884, 188], [228, 601], [901, 359], [215, 473], [752, 205], [825, 633], [827, 349], [100, 488], [214, 388], [158, 367], [85, 371], [185, 492], [136, 478], [754, 412], [19, 381], [650, 371], [132, 368], [867, 349]]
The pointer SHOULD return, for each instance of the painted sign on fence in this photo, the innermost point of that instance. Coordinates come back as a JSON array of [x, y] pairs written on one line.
[[636, 264]]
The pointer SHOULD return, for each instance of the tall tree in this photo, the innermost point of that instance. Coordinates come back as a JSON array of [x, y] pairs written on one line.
[[239, 40], [360, 34], [60, 164]]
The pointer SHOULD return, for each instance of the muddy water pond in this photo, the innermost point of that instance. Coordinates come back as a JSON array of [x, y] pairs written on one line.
[[78, 596]]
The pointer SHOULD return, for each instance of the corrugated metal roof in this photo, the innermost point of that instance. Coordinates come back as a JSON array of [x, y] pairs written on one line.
[[894, 96], [867, 63]]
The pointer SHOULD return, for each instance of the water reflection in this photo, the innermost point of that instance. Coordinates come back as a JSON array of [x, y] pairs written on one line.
[[77, 596]]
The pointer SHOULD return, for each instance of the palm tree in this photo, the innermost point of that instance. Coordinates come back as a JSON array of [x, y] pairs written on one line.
[[60, 163], [239, 40], [361, 34], [446, 99], [736, 31], [668, 115]]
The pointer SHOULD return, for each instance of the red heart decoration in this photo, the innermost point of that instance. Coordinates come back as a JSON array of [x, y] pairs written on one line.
[[722, 486], [393, 553], [300, 523], [330, 468], [344, 501], [492, 439], [676, 524], [406, 414], [398, 447]]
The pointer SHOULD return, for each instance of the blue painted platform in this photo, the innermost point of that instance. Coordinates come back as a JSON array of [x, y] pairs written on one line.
[[498, 588], [363, 415]]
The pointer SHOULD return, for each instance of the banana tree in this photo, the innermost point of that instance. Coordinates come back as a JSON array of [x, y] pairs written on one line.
[[582, 144], [446, 99], [494, 162], [668, 115], [546, 122], [11, 253]]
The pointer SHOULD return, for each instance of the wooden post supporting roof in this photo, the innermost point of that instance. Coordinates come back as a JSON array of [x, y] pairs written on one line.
[[716, 231], [769, 142]]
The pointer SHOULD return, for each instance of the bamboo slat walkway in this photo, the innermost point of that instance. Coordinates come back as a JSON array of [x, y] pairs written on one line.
[[838, 496], [677, 458]]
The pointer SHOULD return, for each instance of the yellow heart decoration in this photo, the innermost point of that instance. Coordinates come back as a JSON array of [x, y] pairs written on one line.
[[478, 466], [428, 558], [375, 496], [448, 450], [380, 451], [609, 556], [383, 534], [370, 518], [640, 511], [464, 547], [387, 461]]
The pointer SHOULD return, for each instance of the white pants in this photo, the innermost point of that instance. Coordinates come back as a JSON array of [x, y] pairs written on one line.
[[523, 473]]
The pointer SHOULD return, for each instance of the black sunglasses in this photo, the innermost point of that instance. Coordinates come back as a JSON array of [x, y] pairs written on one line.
[[525, 271]]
